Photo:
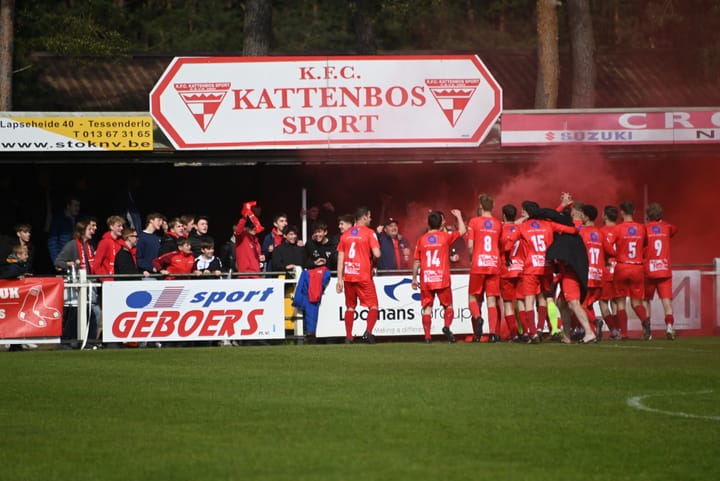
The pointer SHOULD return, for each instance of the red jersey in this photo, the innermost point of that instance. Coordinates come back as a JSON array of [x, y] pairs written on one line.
[[513, 252], [357, 244], [657, 253], [175, 262], [536, 236], [608, 233], [107, 249], [485, 234], [630, 242], [593, 239], [433, 252]]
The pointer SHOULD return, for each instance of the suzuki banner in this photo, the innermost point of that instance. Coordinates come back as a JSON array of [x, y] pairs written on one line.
[[193, 310], [326, 102], [31, 307], [610, 128]]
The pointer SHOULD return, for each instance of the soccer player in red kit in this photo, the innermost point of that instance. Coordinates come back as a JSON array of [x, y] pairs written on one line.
[[483, 241], [432, 261], [658, 273], [595, 247], [608, 297], [630, 241], [357, 248], [537, 278], [511, 268]]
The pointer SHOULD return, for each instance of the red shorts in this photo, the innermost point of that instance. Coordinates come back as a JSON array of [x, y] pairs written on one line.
[[489, 283], [570, 285], [663, 286], [534, 284], [607, 292], [363, 290], [511, 288], [593, 294], [630, 281], [444, 295]]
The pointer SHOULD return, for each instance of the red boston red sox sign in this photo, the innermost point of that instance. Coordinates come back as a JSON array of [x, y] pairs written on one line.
[[326, 102]]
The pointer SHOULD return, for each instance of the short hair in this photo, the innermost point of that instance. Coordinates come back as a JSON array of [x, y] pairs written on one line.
[[509, 211], [611, 212], [277, 216], [22, 228], [318, 225], [347, 218], [19, 249], [187, 218], [127, 232], [361, 212], [198, 218], [590, 211], [152, 216], [435, 219], [654, 211], [174, 221], [182, 241], [627, 207], [530, 206], [114, 219], [486, 202], [207, 244], [290, 228]]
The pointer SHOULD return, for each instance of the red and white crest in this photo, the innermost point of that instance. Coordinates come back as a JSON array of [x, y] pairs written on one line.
[[203, 99], [452, 95]]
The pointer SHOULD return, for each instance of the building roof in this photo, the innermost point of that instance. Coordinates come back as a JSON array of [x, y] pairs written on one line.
[[625, 79]]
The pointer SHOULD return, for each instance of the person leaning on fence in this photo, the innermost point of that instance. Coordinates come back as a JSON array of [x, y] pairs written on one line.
[[125, 261], [207, 263], [180, 261]]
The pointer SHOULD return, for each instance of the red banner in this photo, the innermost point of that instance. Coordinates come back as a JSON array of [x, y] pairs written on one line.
[[31, 307]]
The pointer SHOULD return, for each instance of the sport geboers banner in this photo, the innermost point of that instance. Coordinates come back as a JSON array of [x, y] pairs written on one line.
[[31, 308]]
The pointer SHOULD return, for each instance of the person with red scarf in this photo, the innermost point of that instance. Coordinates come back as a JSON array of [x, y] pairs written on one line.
[[248, 253], [109, 246]]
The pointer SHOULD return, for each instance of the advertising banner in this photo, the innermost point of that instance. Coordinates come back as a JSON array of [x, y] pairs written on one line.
[[31, 307], [326, 102], [400, 313], [611, 128], [40, 132], [193, 310]]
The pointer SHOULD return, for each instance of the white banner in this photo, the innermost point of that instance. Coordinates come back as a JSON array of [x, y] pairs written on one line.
[[400, 313], [326, 102], [193, 310]]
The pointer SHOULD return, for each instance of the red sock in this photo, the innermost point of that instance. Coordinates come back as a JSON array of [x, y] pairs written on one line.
[[641, 313], [426, 321], [610, 321], [530, 320], [511, 324], [497, 320], [372, 319], [522, 319], [448, 316], [542, 317], [669, 320], [621, 318], [349, 319], [493, 320], [474, 309]]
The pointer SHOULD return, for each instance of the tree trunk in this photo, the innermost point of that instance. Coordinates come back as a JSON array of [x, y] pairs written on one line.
[[7, 15], [546, 92], [583, 54], [258, 27], [364, 14]]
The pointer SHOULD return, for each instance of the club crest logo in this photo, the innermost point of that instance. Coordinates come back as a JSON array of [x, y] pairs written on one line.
[[452, 95], [203, 99]]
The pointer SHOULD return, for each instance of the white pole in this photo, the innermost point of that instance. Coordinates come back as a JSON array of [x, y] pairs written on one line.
[[82, 308], [303, 207]]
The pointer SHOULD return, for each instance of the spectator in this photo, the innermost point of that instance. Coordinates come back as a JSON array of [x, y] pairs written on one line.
[[108, 247], [125, 259], [320, 250], [394, 248], [206, 263], [199, 233], [148, 243], [274, 238], [179, 261], [62, 225], [289, 254], [176, 231]]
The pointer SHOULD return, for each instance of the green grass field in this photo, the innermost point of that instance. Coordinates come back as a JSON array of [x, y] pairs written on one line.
[[392, 411]]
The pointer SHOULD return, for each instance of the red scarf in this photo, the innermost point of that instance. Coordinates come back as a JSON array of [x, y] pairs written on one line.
[[87, 257]]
